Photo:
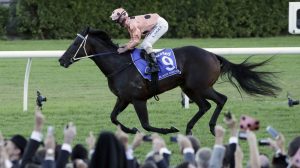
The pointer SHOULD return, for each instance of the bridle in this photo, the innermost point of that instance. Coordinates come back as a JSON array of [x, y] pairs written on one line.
[[82, 45]]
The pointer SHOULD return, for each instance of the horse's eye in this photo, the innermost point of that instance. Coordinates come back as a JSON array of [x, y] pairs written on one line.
[[118, 14]]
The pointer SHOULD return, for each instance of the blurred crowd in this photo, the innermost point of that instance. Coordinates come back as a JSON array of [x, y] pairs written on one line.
[[114, 150]]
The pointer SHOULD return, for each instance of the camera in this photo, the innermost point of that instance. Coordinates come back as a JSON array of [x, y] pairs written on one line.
[[40, 99], [147, 138], [263, 142], [292, 102], [50, 130], [173, 139], [228, 115], [250, 123], [273, 132], [242, 135]]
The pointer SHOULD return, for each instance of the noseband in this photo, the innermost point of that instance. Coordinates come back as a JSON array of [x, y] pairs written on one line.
[[82, 45]]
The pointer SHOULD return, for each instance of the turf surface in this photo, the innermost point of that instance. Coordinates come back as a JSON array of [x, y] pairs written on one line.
[[80, 94]]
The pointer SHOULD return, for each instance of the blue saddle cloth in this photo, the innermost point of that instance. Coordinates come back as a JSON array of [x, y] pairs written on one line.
[[166, 61]]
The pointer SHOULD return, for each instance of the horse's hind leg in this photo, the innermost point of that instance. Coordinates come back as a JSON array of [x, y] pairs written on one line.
[[220, 100], [203, 105], [119, 107], [142, 112]]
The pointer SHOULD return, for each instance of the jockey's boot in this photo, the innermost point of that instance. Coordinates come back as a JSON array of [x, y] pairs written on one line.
[[152, 64], [154, 68]]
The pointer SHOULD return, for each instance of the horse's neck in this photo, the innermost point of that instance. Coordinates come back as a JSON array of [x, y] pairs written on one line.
[[111, 63]]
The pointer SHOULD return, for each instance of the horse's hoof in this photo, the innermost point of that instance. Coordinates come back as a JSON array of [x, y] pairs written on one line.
[[135, 130], [212, 132], [173, 129], [189, 132], [212, 129]]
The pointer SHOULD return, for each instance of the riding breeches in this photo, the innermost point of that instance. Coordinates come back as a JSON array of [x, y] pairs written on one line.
[[159, 30]]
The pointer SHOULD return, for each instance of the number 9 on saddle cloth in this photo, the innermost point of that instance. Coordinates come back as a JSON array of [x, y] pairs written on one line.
[[165, 59]]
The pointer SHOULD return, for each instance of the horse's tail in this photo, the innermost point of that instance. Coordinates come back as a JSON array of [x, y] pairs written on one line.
[[250, 81]]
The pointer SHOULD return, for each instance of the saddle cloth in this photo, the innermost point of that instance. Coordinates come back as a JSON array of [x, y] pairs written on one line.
[[165, 59]]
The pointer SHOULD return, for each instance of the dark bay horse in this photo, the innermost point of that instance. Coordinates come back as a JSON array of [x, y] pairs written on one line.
[[199, 68]]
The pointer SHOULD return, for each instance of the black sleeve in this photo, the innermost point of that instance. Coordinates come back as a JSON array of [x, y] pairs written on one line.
[[189, 157], [230, 157], [162, 164], [48, 164], [167, 158], [63, 158], [29, 152], [133, 163], [279, 160]]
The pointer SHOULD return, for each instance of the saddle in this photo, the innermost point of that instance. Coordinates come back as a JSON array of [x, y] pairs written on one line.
[[165, 59]]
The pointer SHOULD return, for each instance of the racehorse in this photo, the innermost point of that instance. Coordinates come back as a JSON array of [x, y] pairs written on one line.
[[200, 69]]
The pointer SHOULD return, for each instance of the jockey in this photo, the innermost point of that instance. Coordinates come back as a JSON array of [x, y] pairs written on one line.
[[151, 25]]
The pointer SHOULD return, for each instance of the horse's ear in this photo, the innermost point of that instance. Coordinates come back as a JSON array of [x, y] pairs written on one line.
[[87, 30]]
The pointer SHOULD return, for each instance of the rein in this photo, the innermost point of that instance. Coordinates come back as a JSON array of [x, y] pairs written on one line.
[[83, 43]]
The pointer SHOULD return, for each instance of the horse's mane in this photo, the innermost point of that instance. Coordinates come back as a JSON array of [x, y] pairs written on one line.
[[104, 37]]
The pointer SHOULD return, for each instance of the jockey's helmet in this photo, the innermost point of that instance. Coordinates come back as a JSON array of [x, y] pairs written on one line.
[[118, 15]]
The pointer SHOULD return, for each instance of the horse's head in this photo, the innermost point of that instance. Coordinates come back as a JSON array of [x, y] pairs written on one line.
[[76, 50], [87, 44]]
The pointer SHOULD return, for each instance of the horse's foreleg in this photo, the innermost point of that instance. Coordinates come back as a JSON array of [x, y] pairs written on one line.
[[142, 112], [220, 100], [119, 107]]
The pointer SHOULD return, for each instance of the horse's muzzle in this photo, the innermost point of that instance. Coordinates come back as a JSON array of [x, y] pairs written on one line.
[[64, 63]]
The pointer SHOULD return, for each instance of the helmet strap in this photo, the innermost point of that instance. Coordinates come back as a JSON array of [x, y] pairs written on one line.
[[122, 13]]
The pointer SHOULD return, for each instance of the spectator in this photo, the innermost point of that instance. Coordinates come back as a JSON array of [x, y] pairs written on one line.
[[202, 157], [253, 148], [229, 159], [149, 164], [79, 156], [15, 148], [295, 160], [185, 165], [66, 149], [280, 158], [49, 159], [218, 150], [264, 161], [238, 157], [35, 138], [294, 152], [294, 146], [109, 152], [160, 155], [195, 142], [90, 141], [123, 138], [186, 149], [4, 161]]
